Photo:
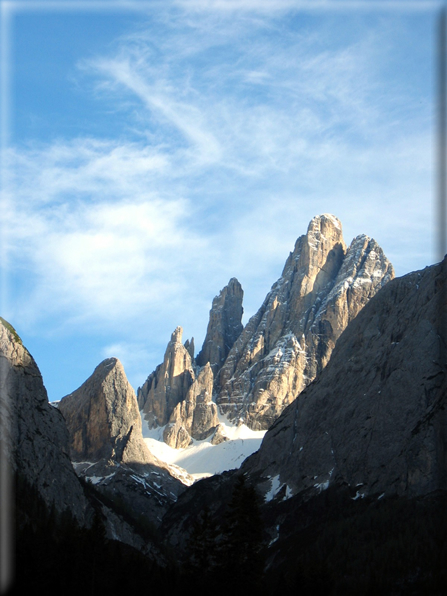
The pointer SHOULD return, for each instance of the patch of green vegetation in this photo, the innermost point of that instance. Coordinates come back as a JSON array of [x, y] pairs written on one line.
[[11, 329]]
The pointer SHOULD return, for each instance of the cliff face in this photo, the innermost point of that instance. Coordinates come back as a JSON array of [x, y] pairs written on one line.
[[260, 369], [168, 385], [107, 446], [290, 339], [34, 437], [224, 327], [179, 393], [103, 418], [369, 434], [196, 415], [375, 418]]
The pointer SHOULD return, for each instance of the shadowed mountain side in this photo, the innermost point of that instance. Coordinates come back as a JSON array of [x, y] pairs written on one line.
[[362, 448], [375, 418], [34, 437]]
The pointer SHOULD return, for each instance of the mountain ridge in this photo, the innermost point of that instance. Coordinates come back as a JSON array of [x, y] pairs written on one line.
[[259, 368]]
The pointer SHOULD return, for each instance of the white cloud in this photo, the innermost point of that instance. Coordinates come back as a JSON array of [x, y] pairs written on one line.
[[187, 118], [245, 129]]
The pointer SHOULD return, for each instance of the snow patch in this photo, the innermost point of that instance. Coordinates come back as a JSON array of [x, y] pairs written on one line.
[[275, 486], [202, 459], [322, 485]]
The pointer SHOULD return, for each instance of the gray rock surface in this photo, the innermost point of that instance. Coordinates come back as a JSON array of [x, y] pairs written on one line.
[[33, 433], [107, 444], [375, 418], [290, 339], [103, 418], [224, 327]]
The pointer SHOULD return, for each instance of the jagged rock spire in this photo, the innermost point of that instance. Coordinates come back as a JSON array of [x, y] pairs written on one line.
[[168, 385], [289, 340], [224, 327], [178, 397]]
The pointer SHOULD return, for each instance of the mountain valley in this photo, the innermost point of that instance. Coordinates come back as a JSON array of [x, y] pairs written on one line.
[[319, 432]]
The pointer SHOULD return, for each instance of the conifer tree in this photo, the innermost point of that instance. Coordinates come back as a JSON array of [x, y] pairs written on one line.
[[241, 561]]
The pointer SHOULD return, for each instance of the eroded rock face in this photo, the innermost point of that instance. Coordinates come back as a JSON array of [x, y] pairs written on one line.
[[290, 339], [34, 437], [196, 416], [375, 418], [178, 395], [103, 418], [168, 385], [107, 445], [224, 327]]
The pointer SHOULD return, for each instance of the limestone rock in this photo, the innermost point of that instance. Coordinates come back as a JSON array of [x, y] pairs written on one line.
[[103, 418], [189, 346], [290, 339], [224, 327], [34, 437], [168, 385], [108, 446], [196, 416], [219, 436], [375, 418], [179, 396]]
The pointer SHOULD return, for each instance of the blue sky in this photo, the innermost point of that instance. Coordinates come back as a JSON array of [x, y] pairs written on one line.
[[156, 150]]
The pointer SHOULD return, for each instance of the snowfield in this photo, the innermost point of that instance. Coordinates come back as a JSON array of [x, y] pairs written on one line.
[[203, 459]]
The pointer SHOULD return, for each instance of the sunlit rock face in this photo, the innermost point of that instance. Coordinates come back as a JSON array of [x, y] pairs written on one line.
[[289, 340], [103, 418], [375, 418], [107, 445], [179, 393], [168, 385], [195, 416], [260, 369]]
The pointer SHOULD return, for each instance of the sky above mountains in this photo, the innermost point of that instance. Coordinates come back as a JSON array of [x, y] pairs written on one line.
[[152, 151]]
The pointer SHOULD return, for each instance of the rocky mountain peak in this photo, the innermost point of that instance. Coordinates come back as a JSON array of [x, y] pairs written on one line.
[[224, 327], [290, 339], [260, 369], [168, 385], [177, 334], [103, 417], [374, 419], [196, 416]]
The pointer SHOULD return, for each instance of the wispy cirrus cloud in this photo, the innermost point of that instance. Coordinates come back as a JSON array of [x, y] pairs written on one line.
[[239, 128]]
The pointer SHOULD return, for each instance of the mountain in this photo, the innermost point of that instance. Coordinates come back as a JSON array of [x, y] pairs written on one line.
[[346, 495], [366, 440], [107, 446], [178, 395], [257, 370], [224, 327], [43, 496], [103, 418], [34, 438], [323, 287], [59, 534], [375, 418]]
